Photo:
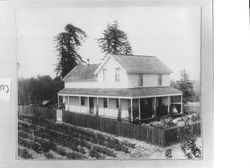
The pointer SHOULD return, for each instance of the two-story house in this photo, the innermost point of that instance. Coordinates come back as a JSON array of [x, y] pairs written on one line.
[[126, 87]]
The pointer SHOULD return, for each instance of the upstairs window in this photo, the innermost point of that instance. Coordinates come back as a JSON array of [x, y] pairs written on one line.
[[82, 101], [117, 74], [160, 79], [140, 81], [105, 102], [104, 74]]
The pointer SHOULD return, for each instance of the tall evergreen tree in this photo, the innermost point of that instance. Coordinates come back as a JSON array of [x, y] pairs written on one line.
[[67, 44], [185, 85], [114, 40]]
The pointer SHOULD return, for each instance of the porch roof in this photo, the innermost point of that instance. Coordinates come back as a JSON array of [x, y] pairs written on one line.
[[121, 92]]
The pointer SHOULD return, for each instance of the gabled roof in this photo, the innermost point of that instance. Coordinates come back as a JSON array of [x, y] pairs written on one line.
[[142, 64], [122, 92], [82, 72], [130, 63]]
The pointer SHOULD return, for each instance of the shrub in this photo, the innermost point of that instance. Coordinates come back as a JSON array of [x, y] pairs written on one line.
[[24, 134], [49, 155], [74, 156], [168, 153], [188, 146], [126, 143], [30, 144], [104, 151], [95, 154], [195, 118], [47, 145], [24, 153], [61, 151]]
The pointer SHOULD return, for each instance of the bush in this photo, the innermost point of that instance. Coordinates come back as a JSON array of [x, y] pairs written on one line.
[[195, 118], [24, 134], [49, 155], [95, 154], [168, 153], [104, 151], [30, 144], [74, 156], [61, 151], [126, 143], [46, 146], [24, 153], [188, 146]]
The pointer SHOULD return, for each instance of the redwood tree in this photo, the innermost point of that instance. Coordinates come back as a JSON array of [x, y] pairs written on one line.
[[68, 43], [114, 40]]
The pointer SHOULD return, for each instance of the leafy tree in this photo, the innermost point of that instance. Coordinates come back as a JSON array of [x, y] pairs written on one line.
[[67, 45], [185, 85], [114, 40], [35, 90]]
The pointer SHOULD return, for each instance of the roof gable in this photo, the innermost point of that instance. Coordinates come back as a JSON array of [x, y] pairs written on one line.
[[141, 64], [105, 61], [82, 72]]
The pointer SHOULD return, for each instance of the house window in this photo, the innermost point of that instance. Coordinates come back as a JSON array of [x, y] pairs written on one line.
[[104, 71], [117, 74], [117, 103], [82, 101], [160, 79], [105, 102], [140, 80]]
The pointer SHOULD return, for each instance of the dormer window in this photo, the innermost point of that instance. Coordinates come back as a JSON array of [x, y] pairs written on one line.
[[104, 74], [140, 81], [117, 74], [160, 79]]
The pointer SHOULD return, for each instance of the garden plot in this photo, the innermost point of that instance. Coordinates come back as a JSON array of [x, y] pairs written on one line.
[[177, 122], [43, 139]]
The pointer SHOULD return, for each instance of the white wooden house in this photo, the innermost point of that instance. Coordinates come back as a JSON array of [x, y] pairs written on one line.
[[126, 87]]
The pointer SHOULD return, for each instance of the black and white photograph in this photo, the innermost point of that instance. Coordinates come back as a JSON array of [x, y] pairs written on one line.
[[109, 83]]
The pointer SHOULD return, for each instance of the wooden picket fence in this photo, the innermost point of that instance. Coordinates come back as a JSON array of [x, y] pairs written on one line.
[[151, 135]]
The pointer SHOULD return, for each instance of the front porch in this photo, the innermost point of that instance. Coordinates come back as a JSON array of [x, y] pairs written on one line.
[[129, 109]]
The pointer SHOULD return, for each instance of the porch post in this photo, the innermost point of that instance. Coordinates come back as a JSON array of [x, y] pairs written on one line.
[[97, 106], [68, 103], [79, 103], [88, 105], [181, 104], [131, 111], [119, 109], [139, 109], [154, 107], [107, 103], [58, 103], [169, 103]]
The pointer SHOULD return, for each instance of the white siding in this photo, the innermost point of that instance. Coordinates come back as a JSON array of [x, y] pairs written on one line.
[[93, 84], [166, 80], [74, 104], [149, 80], [110, 82], [133, 80], [111, 110], [125, 105]]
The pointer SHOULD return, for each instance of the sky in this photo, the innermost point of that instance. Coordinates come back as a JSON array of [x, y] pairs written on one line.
[[172, 34]]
